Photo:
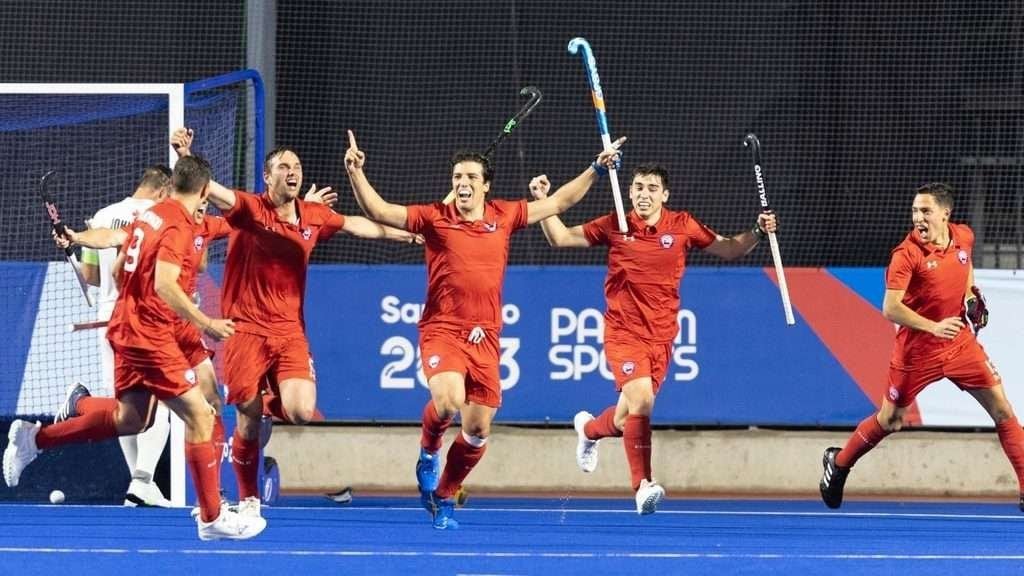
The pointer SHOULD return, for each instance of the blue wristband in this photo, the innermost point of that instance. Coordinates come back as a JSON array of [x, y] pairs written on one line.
[[601, 170]]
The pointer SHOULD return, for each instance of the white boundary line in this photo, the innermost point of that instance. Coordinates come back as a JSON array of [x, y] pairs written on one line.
[[555, 555]]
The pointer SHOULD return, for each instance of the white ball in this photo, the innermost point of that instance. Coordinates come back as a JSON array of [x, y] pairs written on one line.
[[56, 497]]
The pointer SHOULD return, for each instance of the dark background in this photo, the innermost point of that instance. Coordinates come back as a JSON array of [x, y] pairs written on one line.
[[856, 103]]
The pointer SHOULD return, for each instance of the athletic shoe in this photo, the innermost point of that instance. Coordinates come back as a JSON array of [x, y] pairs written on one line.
[[428, 474], [648, 496], [443, 511], [833, 479], [586, 449], [249, 507], [145, 495], [224, 503], [21, 450], [230, 525], [67, 410]]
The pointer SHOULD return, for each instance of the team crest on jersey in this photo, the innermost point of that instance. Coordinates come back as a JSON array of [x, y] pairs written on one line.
[[307, 233], [198, 243], [190, 376], [962, 256], [931, 264], [433, 361], [894, 394], [628, 368], [667, 240], [490, 226]]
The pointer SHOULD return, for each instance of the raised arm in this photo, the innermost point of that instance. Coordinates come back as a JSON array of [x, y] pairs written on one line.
[[372, 204], [741, 244], [573, 191], [554, 230], [366, 228], [220, 196]]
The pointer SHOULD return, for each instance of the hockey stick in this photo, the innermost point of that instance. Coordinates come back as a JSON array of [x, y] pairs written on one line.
[[58, 227], [88, 325], [752, 142], [511, 125], [582, 47]]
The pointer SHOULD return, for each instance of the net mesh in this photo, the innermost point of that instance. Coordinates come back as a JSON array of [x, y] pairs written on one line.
[[98, 145], [856, 104]]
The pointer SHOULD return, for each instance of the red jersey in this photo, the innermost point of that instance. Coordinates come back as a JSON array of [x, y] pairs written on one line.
[[265, 272], [466, 261], [212, 228], [644, 270], [935, 281], [141, 319]]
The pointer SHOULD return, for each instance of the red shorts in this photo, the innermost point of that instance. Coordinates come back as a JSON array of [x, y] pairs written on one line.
[[251, 359], [629, 360], [446, 350], [967, 366], [191, 343], [165, 373]]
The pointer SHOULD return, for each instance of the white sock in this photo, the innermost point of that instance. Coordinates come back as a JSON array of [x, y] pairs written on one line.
[[130, 449], [151, 445]]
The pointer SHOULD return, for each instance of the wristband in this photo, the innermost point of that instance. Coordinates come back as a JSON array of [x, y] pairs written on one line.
[[601, 170], [758, 232]]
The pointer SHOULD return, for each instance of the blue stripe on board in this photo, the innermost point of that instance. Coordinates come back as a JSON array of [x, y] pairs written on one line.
[[568, 536], [23, 284]]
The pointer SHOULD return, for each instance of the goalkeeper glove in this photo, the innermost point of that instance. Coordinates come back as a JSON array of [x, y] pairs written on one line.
[[976, 310]]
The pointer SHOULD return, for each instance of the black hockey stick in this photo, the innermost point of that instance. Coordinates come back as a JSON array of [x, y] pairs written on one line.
[[58, 226]]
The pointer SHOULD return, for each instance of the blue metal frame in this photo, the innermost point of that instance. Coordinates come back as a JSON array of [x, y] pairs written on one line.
[[259, 103]]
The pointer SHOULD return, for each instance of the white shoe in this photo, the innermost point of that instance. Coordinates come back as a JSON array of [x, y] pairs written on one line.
[[230, 525], [145, 494], [648, 497], [586, 449], [21, 450], [249, 507]]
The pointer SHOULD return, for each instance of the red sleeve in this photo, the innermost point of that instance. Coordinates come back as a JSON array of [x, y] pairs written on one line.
[[900, 270], [597, 230], [175, 244], [520, 214], [967, 237], [329, 220], [216, 227], [700, 235], [419, 217], [244, 211]]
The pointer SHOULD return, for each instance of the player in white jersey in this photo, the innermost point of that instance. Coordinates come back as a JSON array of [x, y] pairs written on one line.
[[141, 452]]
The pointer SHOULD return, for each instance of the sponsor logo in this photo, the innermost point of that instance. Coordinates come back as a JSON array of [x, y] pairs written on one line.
[[962, 256], [190, 376], [894, 394], [932, 264], [628, 368], [667, 240], [433, 361]]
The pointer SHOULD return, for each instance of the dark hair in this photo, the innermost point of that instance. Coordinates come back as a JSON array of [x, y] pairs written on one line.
[[467, 156], [155, 176], [649, 168], [269, 158], [942, 192], [191, 174]]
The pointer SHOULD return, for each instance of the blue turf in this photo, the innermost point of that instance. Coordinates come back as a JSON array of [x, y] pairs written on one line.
[[528, 536]]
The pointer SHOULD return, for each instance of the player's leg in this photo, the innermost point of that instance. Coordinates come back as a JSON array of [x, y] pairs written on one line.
[[214, 521], [638, 396], [464, 454], [143, 491], [247, 358], [206, 378], [100, 419], [444, 366]]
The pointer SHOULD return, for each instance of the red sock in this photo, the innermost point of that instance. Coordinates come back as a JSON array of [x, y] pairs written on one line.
[[245, 458], [867, 435], [87, 404], [636, 439], [462, 457], [1012, 438], [433, 428], [201, 458], [603, 426], [97, 425], [218, 439]]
